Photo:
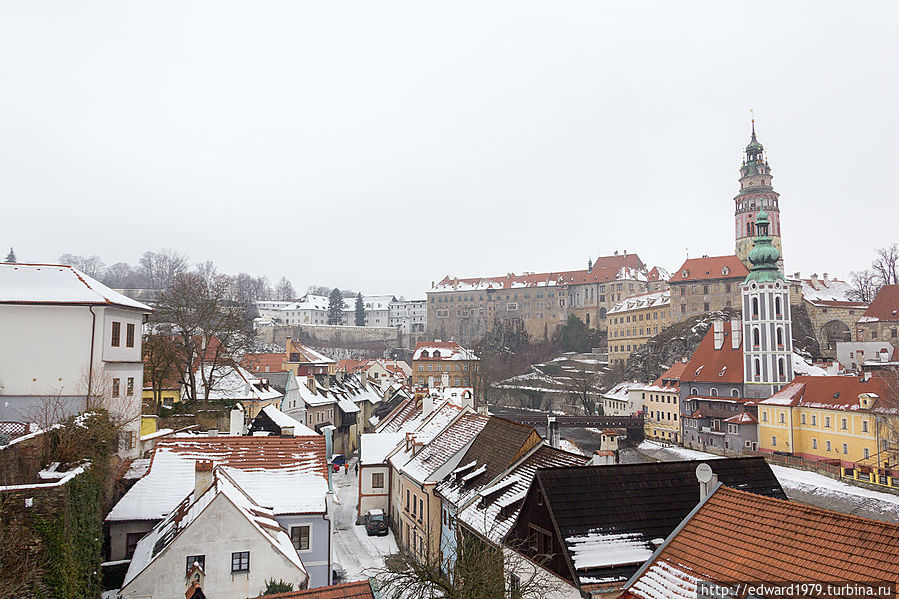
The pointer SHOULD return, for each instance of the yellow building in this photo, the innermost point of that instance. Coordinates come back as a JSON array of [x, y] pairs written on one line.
[[661, 406], [444, 363], [831, 418], [167, 395], [633, 321]]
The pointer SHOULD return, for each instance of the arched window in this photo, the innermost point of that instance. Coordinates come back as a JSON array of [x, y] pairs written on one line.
[[755, 307], [735, 393], [780, 337], [757, 367], [777, 306], [714, 392], [693, 391], [588, 319], [781, 368], [756, 337]]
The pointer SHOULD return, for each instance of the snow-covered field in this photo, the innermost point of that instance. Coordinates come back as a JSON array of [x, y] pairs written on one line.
[[353, 549], [804, 486]]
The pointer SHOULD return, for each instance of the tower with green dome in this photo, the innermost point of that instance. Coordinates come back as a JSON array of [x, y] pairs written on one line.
[[767, 325], [756, 193]]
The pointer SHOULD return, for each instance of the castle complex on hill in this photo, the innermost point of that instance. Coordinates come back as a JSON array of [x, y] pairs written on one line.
[[615, 293]]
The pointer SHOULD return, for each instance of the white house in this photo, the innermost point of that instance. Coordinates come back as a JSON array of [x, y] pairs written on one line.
[[409, 316], [218, 538], [67, 339], [624, 399]]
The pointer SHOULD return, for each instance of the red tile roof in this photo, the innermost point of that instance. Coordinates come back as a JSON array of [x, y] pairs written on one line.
[[673, 373], [830, 392], [263, 362], [249, 452], [885, 305], [350, 366], [711, 365], [707, 268], [740, 536], [349, 590]]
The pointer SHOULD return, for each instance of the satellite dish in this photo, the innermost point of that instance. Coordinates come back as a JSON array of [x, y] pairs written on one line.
[[704, 473]]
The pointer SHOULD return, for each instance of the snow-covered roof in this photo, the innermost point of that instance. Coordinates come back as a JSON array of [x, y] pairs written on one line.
[[376, 446], [190, 508], [655, 299], [619, 391], [828, 292], [58, 284], [235, 382], [284, 421], [444, 448], [598, 549], [442, 350], [800, 366], [286, 473]]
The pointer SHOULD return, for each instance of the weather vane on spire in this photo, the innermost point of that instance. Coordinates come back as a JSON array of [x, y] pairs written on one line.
[[752, 113]]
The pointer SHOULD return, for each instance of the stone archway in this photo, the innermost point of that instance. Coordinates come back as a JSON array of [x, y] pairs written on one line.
[[833, 331]]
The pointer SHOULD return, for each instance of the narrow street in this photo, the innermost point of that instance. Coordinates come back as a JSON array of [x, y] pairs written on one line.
[[356, 552]]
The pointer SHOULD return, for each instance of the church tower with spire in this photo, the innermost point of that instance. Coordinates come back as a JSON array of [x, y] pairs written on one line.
[[767, 324], [756, 193]]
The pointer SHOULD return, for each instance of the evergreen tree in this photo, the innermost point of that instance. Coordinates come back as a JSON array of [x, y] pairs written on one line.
[[335, 307], [11, 256], [360, 311]]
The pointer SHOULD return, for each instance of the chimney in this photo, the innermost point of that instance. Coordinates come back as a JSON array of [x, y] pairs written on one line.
[[736, 333], [718, 327], [814, 280], [427, 404], [235, 428], [202, 477], [287, 347], [884, 355], [310, 382], [616, 252], [825, 279], [552, 431]]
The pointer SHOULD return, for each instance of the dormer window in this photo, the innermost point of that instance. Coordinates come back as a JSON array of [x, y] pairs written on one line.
[[436, 353], [725, 271], [425, 354]]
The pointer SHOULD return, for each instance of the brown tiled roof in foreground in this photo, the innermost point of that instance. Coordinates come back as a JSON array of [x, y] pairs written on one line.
[[885, 305], [740, 536], [250, 452], [349, 590]]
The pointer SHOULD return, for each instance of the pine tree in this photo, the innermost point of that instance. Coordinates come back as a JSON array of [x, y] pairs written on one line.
[[335, 307], [11, 256], [360, 311]]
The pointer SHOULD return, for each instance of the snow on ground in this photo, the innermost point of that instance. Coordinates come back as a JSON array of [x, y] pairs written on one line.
[[355, 551], [803, 486]]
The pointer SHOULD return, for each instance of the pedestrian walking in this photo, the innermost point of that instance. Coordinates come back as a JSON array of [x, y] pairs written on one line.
[[346, 467], [356, 468]]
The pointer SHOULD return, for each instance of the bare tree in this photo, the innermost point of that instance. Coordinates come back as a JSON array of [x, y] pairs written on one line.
[[885, 265], [480, 570], [284, 291], [864, 285], [161, 362], [121, 275], [211, 328], [159, 269], [92, 266]]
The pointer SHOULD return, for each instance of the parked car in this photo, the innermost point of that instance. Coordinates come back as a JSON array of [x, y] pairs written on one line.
[[375, 522], [337, 461]]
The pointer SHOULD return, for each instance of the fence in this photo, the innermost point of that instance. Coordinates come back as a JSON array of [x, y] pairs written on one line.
[[860, 475]]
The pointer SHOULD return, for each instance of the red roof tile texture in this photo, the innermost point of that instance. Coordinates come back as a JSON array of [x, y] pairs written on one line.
[[708, 364], [885, 305], [257, 363], [349, 590], [674, 373], [740, 536], [252, 452], [835, 392], [707, 268]]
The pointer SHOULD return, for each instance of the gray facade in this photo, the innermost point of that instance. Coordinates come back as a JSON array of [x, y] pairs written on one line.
[[317, 558]]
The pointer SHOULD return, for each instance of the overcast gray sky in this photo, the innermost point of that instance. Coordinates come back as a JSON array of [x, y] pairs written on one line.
[[383, 145]]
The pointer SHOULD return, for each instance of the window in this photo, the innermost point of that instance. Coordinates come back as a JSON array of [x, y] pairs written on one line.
[[814, 444], [828, 446], [377, 480], [240, 561], [514, 586], [814, 420], [845, 449], [782, 418], [115, 387], [421, 508], [299, 536], [116, 333], [765, 416], [131, 540], [130, 387], [803, 419], [407, 500], [200, 560], [773, 441], [129, 335], [867, 453], [827, 422], [843, 424], [864, 426]]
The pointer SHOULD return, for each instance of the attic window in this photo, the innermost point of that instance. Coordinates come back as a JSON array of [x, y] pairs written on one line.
[[836, 395], [725, 271], [686, 274], [436, 353]]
